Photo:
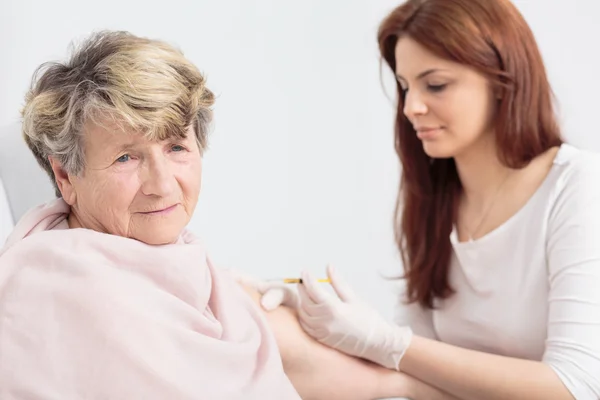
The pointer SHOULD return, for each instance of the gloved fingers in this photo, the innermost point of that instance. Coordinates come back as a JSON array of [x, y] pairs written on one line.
[[339, 284], [314, 292], [279, 295], [307, 305], [305, 318], [342, 343], [305, 300], [314, 315], [315, 327], [316, 333], [273, 293]]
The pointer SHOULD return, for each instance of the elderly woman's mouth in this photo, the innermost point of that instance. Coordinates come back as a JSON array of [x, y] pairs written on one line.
[[160, 211]]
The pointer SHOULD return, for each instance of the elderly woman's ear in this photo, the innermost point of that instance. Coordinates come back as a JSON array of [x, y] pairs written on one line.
[[63, 181]]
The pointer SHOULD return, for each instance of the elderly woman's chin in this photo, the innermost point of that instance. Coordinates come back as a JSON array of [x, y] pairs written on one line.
[[158, 228]]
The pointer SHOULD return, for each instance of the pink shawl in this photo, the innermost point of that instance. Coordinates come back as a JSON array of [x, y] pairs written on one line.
[[86, 315]]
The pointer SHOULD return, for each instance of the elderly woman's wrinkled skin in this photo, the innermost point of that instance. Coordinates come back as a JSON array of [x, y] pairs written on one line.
[[133, 187]]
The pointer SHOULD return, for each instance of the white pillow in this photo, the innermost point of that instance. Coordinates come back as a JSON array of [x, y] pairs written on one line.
[[6, 221], [26, 185]]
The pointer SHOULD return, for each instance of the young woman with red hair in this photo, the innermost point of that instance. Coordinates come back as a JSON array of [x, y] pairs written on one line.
[[498, 220]]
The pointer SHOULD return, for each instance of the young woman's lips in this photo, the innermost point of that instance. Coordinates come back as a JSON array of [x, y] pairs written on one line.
[[428, 133]]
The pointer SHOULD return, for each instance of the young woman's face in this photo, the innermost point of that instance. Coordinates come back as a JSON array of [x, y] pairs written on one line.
[[450, 106]]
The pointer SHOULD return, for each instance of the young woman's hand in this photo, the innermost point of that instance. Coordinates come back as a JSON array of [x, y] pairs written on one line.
[[273, 293], [349, 325]]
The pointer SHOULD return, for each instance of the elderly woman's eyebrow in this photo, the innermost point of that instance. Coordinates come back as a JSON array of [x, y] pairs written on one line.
[[126, 146], [120, 147], [130, 146]]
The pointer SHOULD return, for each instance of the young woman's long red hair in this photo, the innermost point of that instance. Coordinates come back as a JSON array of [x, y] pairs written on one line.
[[492, 37]]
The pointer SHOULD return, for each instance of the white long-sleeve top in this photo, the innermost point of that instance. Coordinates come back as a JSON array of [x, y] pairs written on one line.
[[530, 289]]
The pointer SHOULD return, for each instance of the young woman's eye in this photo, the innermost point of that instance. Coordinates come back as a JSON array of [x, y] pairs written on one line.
[[436, 88], [124, 158]]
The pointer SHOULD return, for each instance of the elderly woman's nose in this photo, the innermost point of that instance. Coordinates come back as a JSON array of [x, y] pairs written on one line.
[[158, 178]]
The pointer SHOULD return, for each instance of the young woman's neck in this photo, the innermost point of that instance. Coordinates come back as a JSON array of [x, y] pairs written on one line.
[[480, 171]]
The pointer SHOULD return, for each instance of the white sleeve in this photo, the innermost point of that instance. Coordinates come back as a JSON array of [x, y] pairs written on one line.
[[418, 318], [573, 252]]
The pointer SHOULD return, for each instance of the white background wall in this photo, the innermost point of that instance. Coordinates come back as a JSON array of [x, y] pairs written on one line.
[[301, 170]]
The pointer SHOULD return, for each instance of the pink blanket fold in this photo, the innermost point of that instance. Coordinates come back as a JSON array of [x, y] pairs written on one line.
[[86, 315]]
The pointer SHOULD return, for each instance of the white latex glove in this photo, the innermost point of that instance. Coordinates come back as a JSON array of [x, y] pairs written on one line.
[[273, 293], [349, 325]]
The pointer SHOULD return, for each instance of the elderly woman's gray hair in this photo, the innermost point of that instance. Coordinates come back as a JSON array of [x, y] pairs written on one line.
[[140, 84]]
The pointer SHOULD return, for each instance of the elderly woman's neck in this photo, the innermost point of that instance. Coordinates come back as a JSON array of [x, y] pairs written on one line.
[[73, 221]]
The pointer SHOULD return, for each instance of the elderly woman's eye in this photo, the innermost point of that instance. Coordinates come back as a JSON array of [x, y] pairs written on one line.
[[177, 148], [124, 158]]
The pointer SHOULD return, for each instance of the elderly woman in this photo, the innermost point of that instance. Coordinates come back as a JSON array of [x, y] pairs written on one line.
[[103, 293]]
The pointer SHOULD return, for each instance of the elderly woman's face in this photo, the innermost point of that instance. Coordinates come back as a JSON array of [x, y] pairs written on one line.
[[134, 187]]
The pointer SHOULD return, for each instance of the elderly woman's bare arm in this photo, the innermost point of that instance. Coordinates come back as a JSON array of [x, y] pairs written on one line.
[[320, 372]]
